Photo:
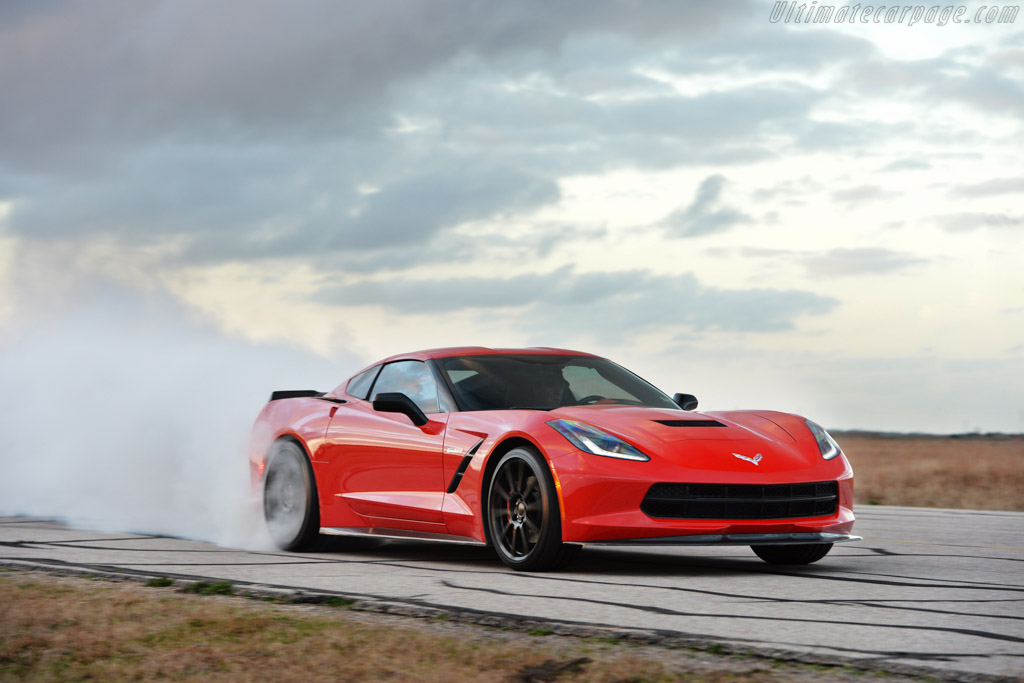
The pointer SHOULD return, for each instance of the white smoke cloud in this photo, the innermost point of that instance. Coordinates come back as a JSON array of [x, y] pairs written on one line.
[[128, 414]]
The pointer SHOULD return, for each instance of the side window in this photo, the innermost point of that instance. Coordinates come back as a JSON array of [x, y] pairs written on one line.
[[412, 378], [359, 386]]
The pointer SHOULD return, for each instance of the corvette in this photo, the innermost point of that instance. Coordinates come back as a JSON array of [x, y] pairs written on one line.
[[537, 452]]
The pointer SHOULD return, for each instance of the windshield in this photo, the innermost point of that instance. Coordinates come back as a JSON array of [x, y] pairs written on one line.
[[545, 382]]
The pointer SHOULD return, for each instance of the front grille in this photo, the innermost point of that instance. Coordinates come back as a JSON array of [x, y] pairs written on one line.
[[741, 501]]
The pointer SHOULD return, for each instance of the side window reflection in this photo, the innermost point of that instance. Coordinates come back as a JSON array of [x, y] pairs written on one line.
[[412, 378], [359, 385]]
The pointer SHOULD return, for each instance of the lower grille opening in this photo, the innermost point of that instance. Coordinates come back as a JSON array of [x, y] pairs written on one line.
[[741, 501]]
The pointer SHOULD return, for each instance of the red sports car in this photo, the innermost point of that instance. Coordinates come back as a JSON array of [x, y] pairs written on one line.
[[537, 452]]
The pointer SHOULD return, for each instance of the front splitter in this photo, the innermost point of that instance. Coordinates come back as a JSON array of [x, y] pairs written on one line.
[[735, 539]]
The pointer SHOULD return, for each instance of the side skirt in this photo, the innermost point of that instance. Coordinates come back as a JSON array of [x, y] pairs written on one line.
[[399, 534]]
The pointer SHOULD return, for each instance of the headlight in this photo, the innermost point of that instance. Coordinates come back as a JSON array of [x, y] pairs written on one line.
[[590, 439], [826, 444]]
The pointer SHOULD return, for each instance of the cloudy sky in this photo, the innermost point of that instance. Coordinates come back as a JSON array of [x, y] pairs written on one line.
[[819, 218]]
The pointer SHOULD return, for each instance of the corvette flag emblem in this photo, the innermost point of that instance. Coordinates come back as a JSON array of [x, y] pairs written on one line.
[[756, 459]]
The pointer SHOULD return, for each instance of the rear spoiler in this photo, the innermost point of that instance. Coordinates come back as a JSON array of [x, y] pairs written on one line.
[[304, 393], [296, 393]]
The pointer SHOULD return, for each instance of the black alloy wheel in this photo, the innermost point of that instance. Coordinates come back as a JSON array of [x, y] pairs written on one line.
[[523, 519], [290, 505], [805, 553]]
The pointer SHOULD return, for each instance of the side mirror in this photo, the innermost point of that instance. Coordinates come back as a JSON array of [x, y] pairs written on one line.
[[684, 401], [397, 402]]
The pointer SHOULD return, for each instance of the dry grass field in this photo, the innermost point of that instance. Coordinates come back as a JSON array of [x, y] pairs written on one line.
[[71, 629], [970, 472]]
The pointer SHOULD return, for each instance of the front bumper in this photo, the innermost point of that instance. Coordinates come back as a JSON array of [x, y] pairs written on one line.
[[600, 500]]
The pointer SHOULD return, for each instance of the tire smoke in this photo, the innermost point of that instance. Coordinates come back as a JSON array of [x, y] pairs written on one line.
[[128, 415]]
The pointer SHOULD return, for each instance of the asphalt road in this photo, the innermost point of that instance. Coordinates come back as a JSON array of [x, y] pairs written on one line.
[[938, 590]]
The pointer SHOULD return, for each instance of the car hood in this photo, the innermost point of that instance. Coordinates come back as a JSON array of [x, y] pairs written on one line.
[[713, 440], [655, 426]]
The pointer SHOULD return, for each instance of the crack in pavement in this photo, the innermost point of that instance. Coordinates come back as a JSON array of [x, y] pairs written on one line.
[[671, 612]]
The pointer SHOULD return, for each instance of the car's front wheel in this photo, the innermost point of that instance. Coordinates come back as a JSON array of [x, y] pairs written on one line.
[[792, 554], [522, 514], [290, 505]]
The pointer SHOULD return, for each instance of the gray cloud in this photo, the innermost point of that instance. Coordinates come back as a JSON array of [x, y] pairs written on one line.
[[254, 203], [254, 134], [988, 188], [613, 303], [862, 193], [129, 71], [415, 208], [706, 214], [759, 252], [459, 248], [966, 221], [1010, 58], [455, 293], [982, 89], [758, 47], [251, 134], [907, 165], [789, 189], [861, 261], [834, 135], [833, 263], [545, 127], [945, 79]]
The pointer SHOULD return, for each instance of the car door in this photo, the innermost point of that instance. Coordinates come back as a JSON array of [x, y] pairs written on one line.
[[383, 466]]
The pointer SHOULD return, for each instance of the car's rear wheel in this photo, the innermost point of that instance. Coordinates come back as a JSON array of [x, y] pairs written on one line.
[[792, 554], [290, 505], [522, 514]]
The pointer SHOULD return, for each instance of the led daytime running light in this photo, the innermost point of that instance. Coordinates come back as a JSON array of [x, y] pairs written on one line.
[[590, 439], [826, 444]]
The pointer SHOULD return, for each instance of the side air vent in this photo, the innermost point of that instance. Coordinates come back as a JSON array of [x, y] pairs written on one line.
[[691, 423]]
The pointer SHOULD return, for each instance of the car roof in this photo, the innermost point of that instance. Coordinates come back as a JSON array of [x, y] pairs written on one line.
[[451, 351]]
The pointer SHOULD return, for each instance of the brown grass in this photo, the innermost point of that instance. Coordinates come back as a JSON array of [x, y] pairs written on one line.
[[116, 632], [59, 628], [978, 473]]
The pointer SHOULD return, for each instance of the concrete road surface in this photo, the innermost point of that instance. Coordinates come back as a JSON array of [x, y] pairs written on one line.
[[938, 590]]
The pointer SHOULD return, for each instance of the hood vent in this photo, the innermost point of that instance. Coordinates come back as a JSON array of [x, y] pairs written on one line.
[[691, 423]]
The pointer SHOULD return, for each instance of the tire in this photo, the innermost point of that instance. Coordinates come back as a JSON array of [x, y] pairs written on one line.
[[290, 505], [792, 554], [523, 520]]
